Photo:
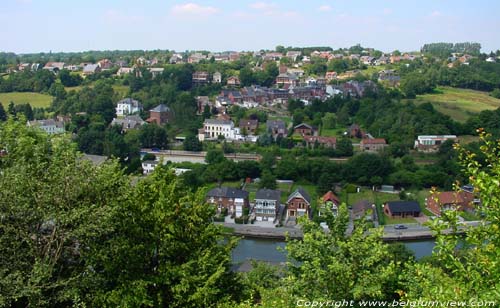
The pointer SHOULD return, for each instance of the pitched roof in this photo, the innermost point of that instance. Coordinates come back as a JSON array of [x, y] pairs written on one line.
[[320, 139], [227, 192], [160, 108], [275, 124], [453, 197], [300, 193], [248, 122], [361, 206], [373, 141], [304, 124], [268, 194], [330, 196], [218, 122], [403, 206]]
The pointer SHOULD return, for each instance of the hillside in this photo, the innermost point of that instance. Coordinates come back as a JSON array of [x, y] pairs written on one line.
[[35, 99], [459, 104]]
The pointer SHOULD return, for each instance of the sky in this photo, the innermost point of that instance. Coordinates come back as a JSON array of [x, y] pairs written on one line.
[[78, 25]]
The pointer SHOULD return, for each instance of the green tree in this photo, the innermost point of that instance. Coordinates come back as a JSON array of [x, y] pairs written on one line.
[[329, 120], [55, 208], [472, 272], [191, 143], [3, 115], [267, 180], [214, 157], [344, 147]]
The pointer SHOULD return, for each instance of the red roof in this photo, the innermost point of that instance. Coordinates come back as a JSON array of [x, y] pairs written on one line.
[[330, 196], [374, 141]]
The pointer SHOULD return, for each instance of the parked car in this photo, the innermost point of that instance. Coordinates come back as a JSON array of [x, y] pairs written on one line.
[[400, 227]]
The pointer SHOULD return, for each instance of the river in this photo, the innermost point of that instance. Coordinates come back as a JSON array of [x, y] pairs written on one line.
[[273, 250]]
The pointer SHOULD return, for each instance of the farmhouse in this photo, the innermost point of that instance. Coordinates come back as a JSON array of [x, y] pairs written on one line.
[[402, 209]]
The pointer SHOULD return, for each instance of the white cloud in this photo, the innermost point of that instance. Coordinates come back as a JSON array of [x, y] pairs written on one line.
[[265, 6], [387, 11], [325, 8], [193, 9]]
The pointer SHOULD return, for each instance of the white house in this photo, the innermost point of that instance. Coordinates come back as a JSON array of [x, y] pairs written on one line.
[[128, 106], [49, 126], [431, 143], [217, 77], [267, 203], [213, 128]]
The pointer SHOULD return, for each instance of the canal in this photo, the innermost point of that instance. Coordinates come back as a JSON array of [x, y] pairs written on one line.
[[274, 250]]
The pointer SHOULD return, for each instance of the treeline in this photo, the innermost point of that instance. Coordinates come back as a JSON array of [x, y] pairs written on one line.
[[420, 78], [444, 50], [40, 81]]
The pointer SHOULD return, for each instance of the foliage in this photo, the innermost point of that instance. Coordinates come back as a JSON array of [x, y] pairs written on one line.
[[267, 180], [191, 143], [471, 273]]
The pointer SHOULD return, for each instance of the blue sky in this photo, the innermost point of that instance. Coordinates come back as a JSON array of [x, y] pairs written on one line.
[[78, 25]]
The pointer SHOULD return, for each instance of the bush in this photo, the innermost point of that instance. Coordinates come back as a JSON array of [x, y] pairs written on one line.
[[350, 188], [241, 220], [219, 218]]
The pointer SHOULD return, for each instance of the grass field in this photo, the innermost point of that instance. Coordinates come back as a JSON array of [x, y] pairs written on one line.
[[120, 89], [35, 99], [459, 104]]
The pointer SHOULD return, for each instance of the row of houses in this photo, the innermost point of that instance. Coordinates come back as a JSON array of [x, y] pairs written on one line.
[[267, 206]]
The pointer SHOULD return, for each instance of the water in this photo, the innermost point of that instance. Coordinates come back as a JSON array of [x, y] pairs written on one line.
[[267, 250]]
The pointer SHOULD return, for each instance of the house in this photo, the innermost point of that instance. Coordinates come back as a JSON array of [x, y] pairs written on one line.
[[127, 106], [232, 199], [124, 71], [105, 64], [54, 66], [462, 201], [327, 142], [175, 58], [160, 115], [402, 209], [202, 101], [90, 69], [200, 78], [305, 129], [431, 143], [298, 204], [330, 76], [287, 79], [49, 126], [491, 60], [276, 128], [267, 204], [217, 77], [372, 145], [390, 77], [149, 166], [129, 122], [213, 128], [249, 125], [333, 90], [363, 208], [196, 58], [156, 71], [331, 201], [233, 81], [293, 55]]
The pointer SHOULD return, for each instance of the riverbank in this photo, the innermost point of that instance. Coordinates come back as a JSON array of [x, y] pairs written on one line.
[[390, 235]]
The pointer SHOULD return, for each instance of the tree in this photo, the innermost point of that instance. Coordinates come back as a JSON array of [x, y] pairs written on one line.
[[344, 147], [496, 93], [191, 143], [166, 252], [329, 120], [56, 207], [3, 115], [267, 180], [471, 272], [214, 157]]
